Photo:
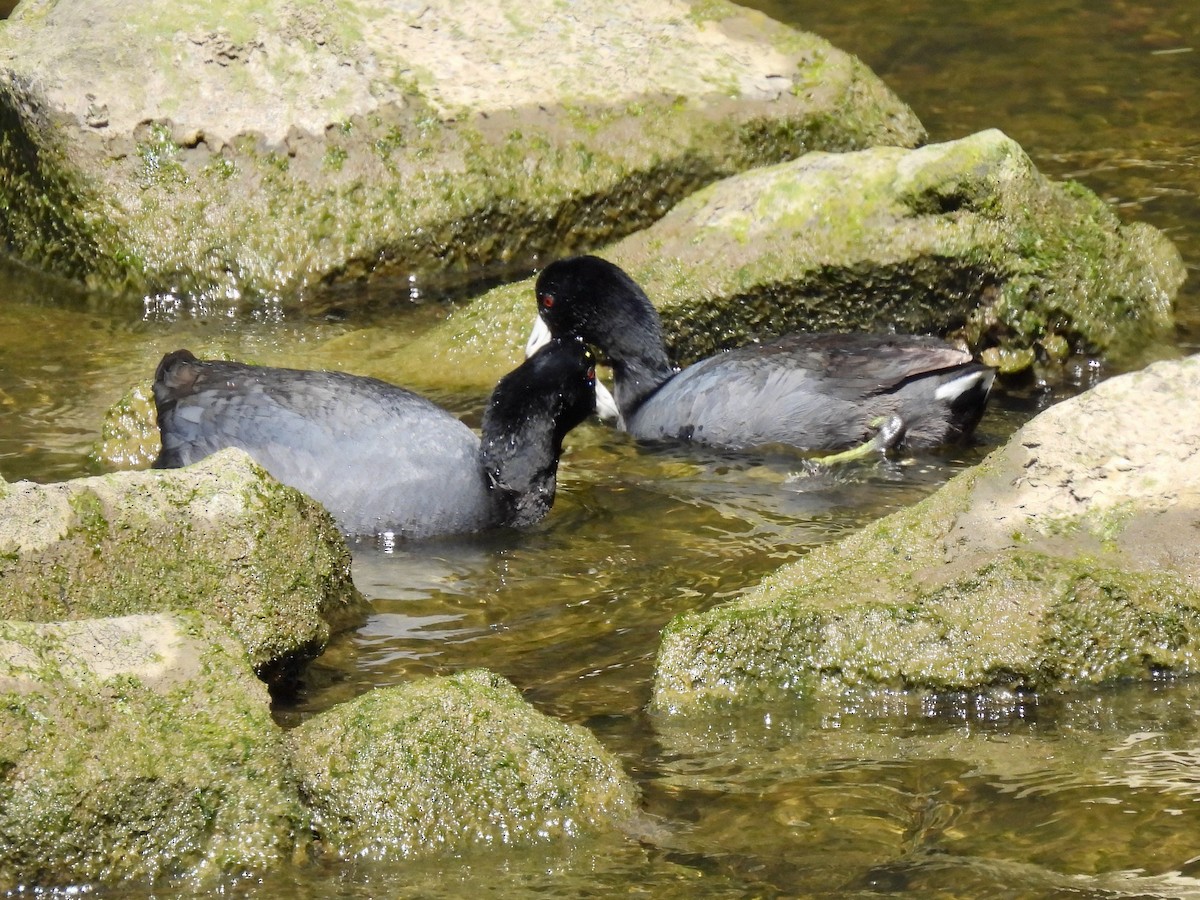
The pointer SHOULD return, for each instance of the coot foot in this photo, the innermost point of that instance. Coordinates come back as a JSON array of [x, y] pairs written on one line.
[[889, 435]]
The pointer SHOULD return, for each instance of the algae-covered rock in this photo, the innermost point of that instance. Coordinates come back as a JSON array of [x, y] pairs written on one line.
[[964, 237], [447, 763], [129, 437], [243, 149], [1067, 557], [138, 748], [222, 537]]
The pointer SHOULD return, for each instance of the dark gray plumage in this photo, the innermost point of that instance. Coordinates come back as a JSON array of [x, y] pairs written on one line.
[[381, 458], [812, 391]]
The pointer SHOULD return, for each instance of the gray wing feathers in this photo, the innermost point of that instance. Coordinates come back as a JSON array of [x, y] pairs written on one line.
[[817, 392], [293, 429]]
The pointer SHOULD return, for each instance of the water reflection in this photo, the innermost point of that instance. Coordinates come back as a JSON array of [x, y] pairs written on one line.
[[1088, 793]]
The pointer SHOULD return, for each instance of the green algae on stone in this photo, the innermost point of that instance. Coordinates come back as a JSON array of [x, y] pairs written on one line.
[[1066, 558], [129, 436], [336, 141], [51, 211], [1025, 621], [138, 749], [964, 235], [475, 345], [444, 764], [222, 537], [964, 238]]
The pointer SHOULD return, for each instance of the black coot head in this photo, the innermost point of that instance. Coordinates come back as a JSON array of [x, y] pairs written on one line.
[[530, 412], [589, 297], [555, 386]]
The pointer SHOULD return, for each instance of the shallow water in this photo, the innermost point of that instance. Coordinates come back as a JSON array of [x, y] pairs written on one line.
[[1031, 796]]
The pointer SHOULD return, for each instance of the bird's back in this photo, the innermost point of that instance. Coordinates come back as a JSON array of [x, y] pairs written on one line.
[[817, 392], [375, 455]]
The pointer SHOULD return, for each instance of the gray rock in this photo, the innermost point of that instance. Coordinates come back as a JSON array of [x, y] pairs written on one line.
[[138, 748], [1068, 557], [237, 149], [964, 237], [443, 764], [222, 537]]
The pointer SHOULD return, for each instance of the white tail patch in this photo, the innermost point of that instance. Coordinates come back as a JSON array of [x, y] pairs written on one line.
[[955, 388]]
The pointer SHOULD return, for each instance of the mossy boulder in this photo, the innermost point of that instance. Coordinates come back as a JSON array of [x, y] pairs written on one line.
[[964, 238], [244, 150], [138, 749], [1068, 557], [444, 764], [222, 537]]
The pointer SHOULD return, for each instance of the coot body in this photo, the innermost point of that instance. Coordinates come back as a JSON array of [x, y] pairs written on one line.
[[379, 457], [818, 392]]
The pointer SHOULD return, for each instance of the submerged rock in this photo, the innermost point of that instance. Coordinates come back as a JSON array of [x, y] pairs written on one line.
[[129, 437], [1068, 557], [963, 238], [235, 149], [222, 537], [450, 763], [138, 748]]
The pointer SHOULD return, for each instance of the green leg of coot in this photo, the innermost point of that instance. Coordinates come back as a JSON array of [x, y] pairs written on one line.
[[888, 435]]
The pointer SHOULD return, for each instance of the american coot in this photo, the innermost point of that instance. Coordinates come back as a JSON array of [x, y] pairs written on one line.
[[819, 392], [380, 458]]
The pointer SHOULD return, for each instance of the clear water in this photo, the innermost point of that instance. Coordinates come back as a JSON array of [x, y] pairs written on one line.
[[1043, 796]]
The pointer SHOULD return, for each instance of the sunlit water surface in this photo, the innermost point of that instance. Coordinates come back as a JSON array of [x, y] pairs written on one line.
[[1030, 796]]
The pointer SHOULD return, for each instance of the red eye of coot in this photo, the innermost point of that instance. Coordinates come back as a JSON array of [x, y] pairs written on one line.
[[591, 373], [546, 300]]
